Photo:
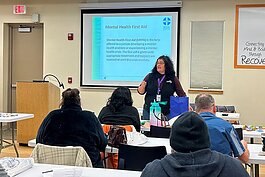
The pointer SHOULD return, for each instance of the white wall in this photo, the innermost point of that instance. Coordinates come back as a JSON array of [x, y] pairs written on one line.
[[242, 87]]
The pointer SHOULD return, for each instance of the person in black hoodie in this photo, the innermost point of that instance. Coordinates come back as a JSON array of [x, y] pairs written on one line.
[[72, 126], [193, 157]]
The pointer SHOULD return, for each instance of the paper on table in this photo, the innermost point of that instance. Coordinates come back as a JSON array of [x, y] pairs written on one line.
[[14, 166], [136, 138], [65, 172]]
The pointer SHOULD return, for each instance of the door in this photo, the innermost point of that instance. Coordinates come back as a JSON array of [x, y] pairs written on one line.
[[26, 56]]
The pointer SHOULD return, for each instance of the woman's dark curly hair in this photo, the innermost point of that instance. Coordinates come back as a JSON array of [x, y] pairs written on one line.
[[169, 67], [70, 96], [120, 98]]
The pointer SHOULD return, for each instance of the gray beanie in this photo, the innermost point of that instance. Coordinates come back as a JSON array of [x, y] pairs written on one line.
[[189, 133]]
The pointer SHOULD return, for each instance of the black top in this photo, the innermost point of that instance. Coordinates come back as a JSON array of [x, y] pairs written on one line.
[[70, 126], [169, 86], [127, 116]]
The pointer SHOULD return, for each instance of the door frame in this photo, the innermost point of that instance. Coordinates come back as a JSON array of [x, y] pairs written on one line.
[[7, 61]]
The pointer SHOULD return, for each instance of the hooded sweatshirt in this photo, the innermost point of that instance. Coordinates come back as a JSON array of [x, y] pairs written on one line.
[[201, 163]]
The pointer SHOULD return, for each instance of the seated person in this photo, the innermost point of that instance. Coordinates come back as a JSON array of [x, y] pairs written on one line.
[[193, 157], [72, 126], [224, 138], [119, 110]]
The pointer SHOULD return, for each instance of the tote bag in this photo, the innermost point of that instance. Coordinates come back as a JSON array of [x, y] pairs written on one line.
[[178, 105], [117, 136]]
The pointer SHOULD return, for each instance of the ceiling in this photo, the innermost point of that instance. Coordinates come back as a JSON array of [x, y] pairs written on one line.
[[26, 2]]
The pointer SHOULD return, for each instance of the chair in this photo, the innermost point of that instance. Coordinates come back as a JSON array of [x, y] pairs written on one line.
[[159, 132], [239, 133], [106, 127], [230, 109], [61, 155], [136, 157], [110, 160], [193, 106]]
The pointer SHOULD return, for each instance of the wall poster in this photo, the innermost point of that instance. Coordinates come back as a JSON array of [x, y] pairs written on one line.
[[249, 51]]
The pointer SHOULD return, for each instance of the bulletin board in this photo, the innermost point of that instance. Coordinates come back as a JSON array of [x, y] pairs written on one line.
[[249, 51]]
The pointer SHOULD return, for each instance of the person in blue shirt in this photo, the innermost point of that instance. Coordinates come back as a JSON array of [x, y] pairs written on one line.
[[224, 138]]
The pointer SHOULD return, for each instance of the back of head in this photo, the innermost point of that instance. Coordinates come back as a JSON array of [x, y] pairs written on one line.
[[204, 102], [70, 96], [189, 133], [120, 97]]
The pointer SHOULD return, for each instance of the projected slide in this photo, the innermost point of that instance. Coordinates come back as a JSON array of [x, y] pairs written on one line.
[[124, 48], [119, 47]]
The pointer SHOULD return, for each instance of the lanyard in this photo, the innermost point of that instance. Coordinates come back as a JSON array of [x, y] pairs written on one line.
[[159, 81]]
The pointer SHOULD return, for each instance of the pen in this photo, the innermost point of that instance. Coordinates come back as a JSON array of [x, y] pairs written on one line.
[[47, 171]]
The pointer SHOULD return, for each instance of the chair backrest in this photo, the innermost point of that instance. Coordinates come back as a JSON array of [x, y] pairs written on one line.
[[159, 132], [193, 106], [106, 127], [230, 109], [136, 157], [239, 133], [61, 155]]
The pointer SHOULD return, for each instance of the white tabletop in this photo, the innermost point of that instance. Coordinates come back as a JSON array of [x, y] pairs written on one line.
[[158, 142], [252, 134], [13, 117], [150, 142], [37, 169], [254, 150]]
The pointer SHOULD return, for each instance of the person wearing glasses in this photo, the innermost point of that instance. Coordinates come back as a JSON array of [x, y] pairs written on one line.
[[159, 85]]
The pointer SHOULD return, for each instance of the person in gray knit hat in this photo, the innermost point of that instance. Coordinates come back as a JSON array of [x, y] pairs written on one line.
[[192, 155]]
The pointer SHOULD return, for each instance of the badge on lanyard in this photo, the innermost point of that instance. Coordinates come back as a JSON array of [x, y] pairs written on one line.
[[158, 97], [159, 83]]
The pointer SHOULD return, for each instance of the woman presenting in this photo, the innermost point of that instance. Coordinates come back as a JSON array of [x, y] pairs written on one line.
[[159, 85]]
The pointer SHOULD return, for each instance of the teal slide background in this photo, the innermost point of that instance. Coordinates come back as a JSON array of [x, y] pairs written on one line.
[[125, 48]]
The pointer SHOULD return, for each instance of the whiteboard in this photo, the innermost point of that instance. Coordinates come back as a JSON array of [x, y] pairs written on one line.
[[249, 36]]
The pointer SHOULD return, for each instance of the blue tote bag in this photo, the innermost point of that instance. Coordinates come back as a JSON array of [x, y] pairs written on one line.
[[178, 105]]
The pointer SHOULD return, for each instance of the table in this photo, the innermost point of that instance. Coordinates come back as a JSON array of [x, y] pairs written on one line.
[[252, 135], [150, 142], [11, 118], [37, 170], [254, 158], [254, 149]]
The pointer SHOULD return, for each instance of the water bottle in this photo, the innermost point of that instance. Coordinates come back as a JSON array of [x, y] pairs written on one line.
[[155, 114]]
